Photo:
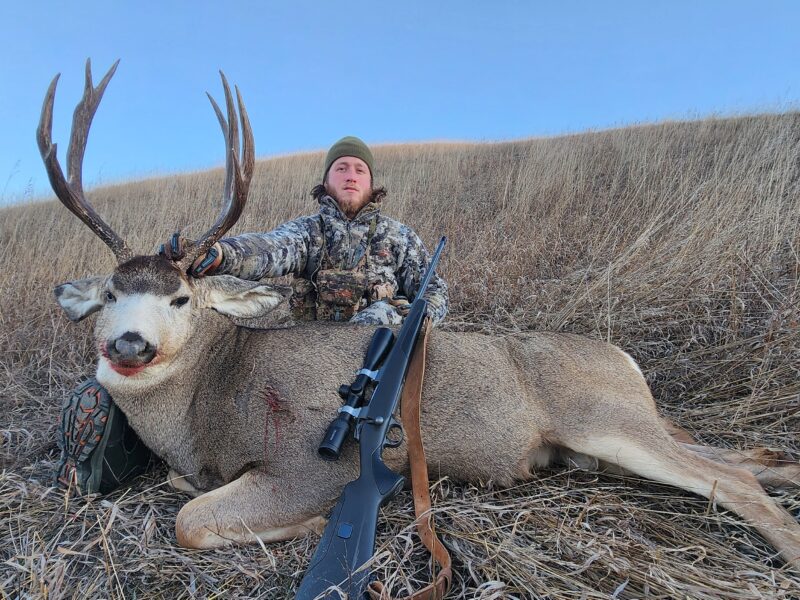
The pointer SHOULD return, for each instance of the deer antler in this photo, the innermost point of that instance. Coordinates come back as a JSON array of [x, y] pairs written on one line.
[[70, 192], [238, 172]]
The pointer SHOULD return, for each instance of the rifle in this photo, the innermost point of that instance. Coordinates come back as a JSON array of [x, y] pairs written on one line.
[[348, 541]]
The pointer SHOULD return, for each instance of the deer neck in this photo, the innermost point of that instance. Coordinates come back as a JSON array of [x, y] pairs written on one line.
[[175, 415]]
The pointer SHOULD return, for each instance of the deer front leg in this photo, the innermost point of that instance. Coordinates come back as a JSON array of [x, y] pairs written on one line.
[[773, 468], [179, 482], [645, 448], [254, 506]]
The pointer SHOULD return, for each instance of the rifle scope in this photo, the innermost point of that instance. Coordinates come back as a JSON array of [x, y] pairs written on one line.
[[353, 394]]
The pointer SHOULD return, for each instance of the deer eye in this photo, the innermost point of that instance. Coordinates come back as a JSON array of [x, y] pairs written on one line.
[[110, 297], [180, 301]]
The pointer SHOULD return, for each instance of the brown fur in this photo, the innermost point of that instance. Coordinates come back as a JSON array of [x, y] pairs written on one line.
[[147, 274]]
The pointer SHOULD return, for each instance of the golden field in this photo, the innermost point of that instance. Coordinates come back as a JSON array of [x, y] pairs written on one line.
[[679, 242]]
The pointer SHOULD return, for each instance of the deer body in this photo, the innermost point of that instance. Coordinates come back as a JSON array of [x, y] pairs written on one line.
[[245, 409], [251, 398], [238, 413]]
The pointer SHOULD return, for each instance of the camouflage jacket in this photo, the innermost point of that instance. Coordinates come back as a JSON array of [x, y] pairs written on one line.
[[396, 255]]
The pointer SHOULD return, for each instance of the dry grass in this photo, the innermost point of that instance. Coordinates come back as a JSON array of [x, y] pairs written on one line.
[[680, 242]]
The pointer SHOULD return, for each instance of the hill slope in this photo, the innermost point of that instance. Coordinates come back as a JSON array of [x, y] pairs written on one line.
[[679, 242]]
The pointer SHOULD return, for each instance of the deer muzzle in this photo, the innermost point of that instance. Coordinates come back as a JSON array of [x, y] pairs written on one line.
[[130, 350]]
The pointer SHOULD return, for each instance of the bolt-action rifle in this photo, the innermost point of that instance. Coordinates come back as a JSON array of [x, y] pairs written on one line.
[[348, 541]]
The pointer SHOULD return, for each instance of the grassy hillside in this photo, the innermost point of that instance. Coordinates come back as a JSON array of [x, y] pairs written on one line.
[[680, 242]]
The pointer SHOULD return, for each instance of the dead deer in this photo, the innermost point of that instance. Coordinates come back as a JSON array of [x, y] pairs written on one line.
[[238, 412]]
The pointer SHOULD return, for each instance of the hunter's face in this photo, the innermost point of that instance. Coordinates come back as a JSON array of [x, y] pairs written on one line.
[[349, 182]]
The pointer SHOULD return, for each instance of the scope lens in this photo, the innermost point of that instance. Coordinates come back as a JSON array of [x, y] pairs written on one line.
[[335, 436]]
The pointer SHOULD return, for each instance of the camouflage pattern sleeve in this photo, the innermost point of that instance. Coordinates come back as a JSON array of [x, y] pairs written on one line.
[[411, 271], [284, 250]]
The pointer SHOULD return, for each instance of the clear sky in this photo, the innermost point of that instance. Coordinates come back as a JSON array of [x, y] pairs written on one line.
[[412, 70]]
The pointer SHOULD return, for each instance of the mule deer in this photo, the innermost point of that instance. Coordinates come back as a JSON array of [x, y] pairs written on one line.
[[238, 412]]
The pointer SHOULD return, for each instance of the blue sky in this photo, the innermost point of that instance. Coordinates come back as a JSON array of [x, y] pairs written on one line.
[[311, 72]]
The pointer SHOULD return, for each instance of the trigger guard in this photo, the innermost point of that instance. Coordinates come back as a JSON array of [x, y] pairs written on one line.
[[394, 443]]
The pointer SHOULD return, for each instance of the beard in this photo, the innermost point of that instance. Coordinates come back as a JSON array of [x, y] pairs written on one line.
[[348, 205]]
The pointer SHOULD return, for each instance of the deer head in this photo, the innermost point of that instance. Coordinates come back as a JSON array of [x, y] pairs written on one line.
[[148, 305]]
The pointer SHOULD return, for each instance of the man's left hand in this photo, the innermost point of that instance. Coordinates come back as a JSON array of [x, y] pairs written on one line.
[[175, 248], [203, 265]]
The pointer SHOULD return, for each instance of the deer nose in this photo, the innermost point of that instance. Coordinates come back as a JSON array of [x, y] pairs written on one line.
[[132, 346]]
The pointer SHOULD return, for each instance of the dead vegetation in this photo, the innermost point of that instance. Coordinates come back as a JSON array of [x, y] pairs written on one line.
[[680, 242]]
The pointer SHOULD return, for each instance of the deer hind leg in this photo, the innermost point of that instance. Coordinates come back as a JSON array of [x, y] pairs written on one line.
[[243, 511], [653, 454], [773, 468]]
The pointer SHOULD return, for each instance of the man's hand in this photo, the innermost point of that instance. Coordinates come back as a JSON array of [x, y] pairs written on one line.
[[401, 305], [175, 249], [205, 264]]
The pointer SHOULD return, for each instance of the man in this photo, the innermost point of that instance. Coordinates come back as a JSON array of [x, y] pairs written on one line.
[[349, 263]]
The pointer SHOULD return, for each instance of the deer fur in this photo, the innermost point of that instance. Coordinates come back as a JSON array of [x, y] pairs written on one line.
[[238, 413]]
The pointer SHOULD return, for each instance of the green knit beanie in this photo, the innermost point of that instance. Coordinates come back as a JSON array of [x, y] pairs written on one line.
[[348, 146]]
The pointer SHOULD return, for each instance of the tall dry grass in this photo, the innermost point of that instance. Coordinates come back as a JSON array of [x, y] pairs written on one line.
[[679, 242]]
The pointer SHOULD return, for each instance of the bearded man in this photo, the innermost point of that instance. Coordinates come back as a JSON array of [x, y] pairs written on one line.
[[349, 262]]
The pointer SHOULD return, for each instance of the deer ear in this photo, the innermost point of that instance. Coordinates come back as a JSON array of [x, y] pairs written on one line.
[[81, 298], [235, 297]]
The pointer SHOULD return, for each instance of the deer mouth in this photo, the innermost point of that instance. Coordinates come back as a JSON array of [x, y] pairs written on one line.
[[127, 371]]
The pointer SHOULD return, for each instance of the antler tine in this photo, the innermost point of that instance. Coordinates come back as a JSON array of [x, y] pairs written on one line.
[[238, 172], [70, 192], [248, 143], [223, 123]]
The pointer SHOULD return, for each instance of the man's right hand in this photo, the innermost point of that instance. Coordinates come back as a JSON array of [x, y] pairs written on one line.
[[203, 265], [207, 263]]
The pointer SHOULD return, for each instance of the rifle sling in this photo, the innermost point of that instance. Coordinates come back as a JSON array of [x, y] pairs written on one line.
[[410, 413]]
